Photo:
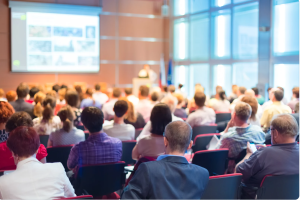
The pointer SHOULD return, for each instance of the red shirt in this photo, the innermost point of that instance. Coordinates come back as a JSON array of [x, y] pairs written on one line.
[[7, 160]]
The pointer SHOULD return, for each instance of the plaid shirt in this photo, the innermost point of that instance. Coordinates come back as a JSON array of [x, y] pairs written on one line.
[[236, 140], [97, 149]]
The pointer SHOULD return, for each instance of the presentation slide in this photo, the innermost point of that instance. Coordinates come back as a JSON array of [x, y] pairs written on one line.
[[53, 42]]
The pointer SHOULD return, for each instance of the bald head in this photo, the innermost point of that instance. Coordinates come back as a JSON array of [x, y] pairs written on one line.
[[250, 93], [243, 111], [179, 135], [285, 124], [171, 101]]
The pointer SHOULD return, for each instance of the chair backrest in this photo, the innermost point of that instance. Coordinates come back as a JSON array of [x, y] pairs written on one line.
[[59, 154], [279, 187], [223, 187], [99, 180], [201, 141], [44, 140], [215, 161], [86, 134], [78, 197], [137, 132], [197, 130], [222, 116], [241, 156], [81, 127], [127, 147]]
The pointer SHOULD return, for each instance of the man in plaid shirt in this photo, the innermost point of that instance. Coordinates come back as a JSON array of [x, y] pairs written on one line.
[[99, 147]]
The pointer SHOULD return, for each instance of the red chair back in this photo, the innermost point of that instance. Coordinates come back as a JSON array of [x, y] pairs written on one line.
[[201, 141], [59, 154], [198, 130], [222, 116], [78, 197], [127, 147]]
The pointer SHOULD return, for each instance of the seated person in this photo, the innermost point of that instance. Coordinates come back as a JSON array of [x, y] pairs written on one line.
[[68, 134], [133, 99], [282, 158], [20, 104], [89, 100], [108, 108], [153, 145], [32, 179], [254, 118], [117, 128], [32, 92], [222, 104], [144, 106], [99, 147], [171, 176], [16, 120], [37, 110], [238, 132], [132, 117], [100, 96], [179, 111], [72, 99], [202, 115], [172, 102], [295, 99], [6, 111]]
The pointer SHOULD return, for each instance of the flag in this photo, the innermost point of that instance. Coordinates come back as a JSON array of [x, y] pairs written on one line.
[[169, 77], [162, 78]]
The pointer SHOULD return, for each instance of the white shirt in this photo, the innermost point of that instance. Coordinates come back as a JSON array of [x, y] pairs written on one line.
[[101, 97], [108, 109], [35, 180], [43, 128], [133, 99], [145, 107], [222, 106], [121, 131], [254, 122], [202, 116], [267, 104]]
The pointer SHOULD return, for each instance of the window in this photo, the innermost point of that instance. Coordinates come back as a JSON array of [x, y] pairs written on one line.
[[240, 1], [222, 77], [220, 3], [245, 74], [181, 7], [199, 5], [199, 73], [245, 31], [181, 76], [180, 39]]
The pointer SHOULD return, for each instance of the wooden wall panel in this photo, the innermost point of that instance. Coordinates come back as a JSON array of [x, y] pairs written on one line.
[[108, 25], [107, 50], [140, 7]]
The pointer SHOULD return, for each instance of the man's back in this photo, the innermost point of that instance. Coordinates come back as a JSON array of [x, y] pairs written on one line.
[[202, 116], [101, 97], [20, 105], [144, 107], [171, 177], [121, 131]]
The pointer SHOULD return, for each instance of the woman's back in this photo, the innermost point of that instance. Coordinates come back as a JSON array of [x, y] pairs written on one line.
[[222, 106], [43, 127], [139, 123], [151, 146], [61, 137]]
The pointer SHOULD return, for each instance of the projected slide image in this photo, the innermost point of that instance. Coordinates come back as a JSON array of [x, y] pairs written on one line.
[[88, 60], [40, 60], [39, 46], [85, 46], [65, 60], [90, 31], [67, 32], [63, 46], [39, 31]]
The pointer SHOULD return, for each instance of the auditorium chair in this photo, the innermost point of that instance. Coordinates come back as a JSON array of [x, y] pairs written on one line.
[[201, 141], [279, 187], [197, 130], [215, 161], [137, 132], [241, 156], [99, 180], [223, 187], [78, 197], [59, 154], [80, 127], [222, 116], [127, 147], [44, 140], [86, 134]]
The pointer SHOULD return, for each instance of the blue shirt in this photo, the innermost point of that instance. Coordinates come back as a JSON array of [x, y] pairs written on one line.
[[90, 102], [166, 155]]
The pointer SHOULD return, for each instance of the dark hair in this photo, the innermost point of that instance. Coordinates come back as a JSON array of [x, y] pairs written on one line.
[[120, 108], [171, 88], [33, 91], [222, 95], [296, 92], [97, 87], [92, 119], [180, 86], [128, 91], [278, 95], [18, 119], [154, 96], [6, 111], [63, 86], [22, 90], [72, 98], [23, 141], [66, 116], [117, 92], [49, 104], [281, 88], [144, 91], [165, 88], [89, 91], [55, 87], [255, 90], [78, 89], [160, 117], [200, 98], [242, 90]]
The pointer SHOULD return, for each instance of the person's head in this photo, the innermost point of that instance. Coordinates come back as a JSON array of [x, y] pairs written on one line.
[[171, 101], [242, 112], [18, 119], [67, 117], [97, 87], [154, 96], [38, 108], [218, 89], [49, 104], [164, 88], [146, 67], [62, 93], [180, 86], [1, 93], [250, 92], [281, 88], [128, 91], [51, 93], [253, 103], [178, 137], [72, 98], [256, 92], [277, 95], [6, 111], [120, 108], [22, 90], [143, 91], [234, 89], [198, 88], [297, 108], [171, 88], [55, 87], [200, 98], [33, 91], [117, 92], [241, 91], [130, 115], [179, 98], [92, 119], [160, 117], [296, 92], [89, 92], [284, 129], [222, 95], [11, 96], [64, 86], [78, 89]]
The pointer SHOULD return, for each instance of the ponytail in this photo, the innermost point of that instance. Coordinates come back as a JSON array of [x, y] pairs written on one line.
[[47, 112], [222, 95], [38, 110], [67, 125], [67, 116]]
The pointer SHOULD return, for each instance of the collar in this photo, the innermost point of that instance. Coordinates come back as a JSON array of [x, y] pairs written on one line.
[[95, 136], [20, 100], [286, 144], [173, 158], [27, 160], [166, 155], [277, 103]]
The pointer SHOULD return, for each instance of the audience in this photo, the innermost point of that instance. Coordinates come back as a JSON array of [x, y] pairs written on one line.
[[99, 96], [89, 100], [282, 158], [233, 94], [38, 108], [202, 115], [260, 99], [133, 99], [11, 96], [68, 134], [171, 101], [179, 111], [72, 99], [79, 91], [107, 109], [171, 89], [254, 118], [295, 98], [144, 106], [6, 111], [222, 104], [61, 96], [132, 117], [284, 100], [171, 176], [117, 128], [153, 145], [296, 114], [270, 102], [20, 104], [32, 179], [55, 87], [2, 95], [214, 98], [163, 93], [47, 123], [154, 98], [32, 92], [238, 132]]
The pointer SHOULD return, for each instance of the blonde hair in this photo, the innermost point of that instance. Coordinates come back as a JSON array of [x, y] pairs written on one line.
[[130, 115], [1, 92], [179, 97], [66, 116], [38, 108]]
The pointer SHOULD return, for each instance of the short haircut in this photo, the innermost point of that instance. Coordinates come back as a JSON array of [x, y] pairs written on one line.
[[72, 98], [6, 111], [296, 92], [23, 141], [200, 98], [144, 91], [120, 108], [92, 119], [281, 88], [11, 95], [285, 124], [128, 91], [243, 111], [242, 90], [55, 87], [171, 88], [253, 103], [171, 101], [154, 96], [33, 91], [89, 91], [18, 119], [278, 94], [63, 86], [255, 89], [97, 87], [179, 135], [22, 90], [117, 92], [165, 88], [160, 117]]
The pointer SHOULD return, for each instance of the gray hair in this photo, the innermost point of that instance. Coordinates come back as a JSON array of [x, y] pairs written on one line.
[[171, 101], [243, 111], [179, 135], [285, 124]]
